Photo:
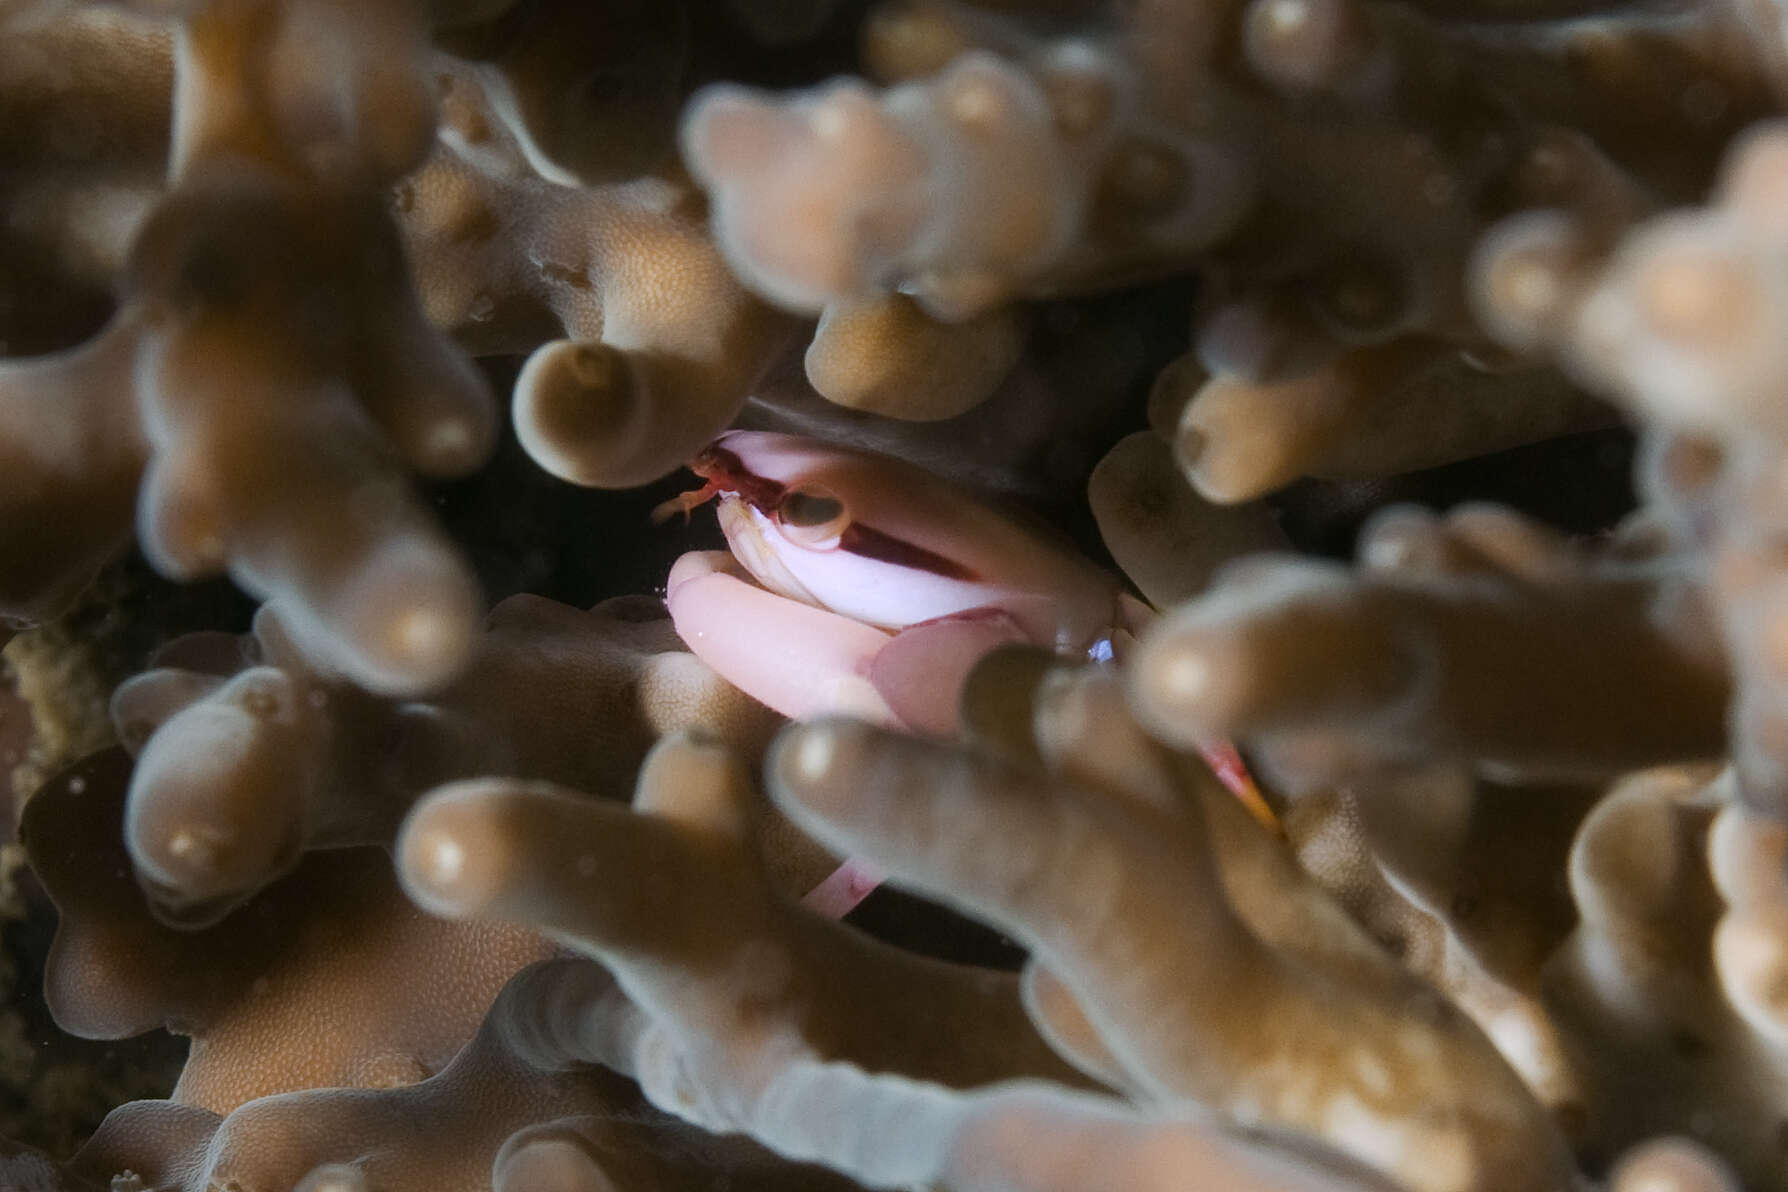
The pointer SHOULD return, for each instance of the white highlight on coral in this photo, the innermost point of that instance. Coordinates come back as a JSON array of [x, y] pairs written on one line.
[[814, 752]]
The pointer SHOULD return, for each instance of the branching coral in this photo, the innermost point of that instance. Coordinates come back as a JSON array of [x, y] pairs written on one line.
[[654, 344], [965, 188], [290, 992], [1677, 325], [1005, 164], [1651, 1024], [1309, 982], [740, 1016], [727, 976], [269, 373], [736, 1021], [242, 771], [1478, 637], [268, 364], [494, 1115]]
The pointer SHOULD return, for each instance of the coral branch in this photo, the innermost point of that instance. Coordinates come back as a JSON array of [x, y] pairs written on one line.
[[238, 778], [731, 977], [1478, 637], [1117, 891]]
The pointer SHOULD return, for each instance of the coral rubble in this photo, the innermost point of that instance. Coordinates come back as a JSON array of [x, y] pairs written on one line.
[[457, 867]]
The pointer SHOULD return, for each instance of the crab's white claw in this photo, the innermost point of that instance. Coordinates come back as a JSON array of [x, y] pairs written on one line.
[[800, 660]]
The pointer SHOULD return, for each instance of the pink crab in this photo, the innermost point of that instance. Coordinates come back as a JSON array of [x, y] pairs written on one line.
[[861, 584]]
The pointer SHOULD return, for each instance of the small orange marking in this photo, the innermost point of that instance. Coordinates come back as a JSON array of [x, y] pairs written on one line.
[[1227, 764]]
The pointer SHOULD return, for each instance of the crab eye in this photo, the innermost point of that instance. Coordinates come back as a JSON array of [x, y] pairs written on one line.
[[811, 515]]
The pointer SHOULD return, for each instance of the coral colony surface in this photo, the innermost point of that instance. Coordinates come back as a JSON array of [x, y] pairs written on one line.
[[1005, 596]]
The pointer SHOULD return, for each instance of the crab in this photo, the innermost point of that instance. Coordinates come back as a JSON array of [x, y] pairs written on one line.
[[861, 584]]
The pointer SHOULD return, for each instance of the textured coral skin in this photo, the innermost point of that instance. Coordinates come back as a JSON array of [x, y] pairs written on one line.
[[454, 880]]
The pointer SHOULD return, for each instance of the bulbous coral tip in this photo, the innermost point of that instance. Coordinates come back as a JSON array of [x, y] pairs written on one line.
[[191, 836], [1182, 674], [197, 845], [812, 756], [574, 411], [1305, 45], [1671, 1165], [1689, 323], [887, 356], [1177, 684], [1403, 538], [424, 634], [408, 617], [452, 445], [805, 762], [333, 1177], [1699, 294], [1524, 275], [1755, 187], [724, 131], [533, 1163], [1752, 957], [180, 526], [452, 851], [813, 197]]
